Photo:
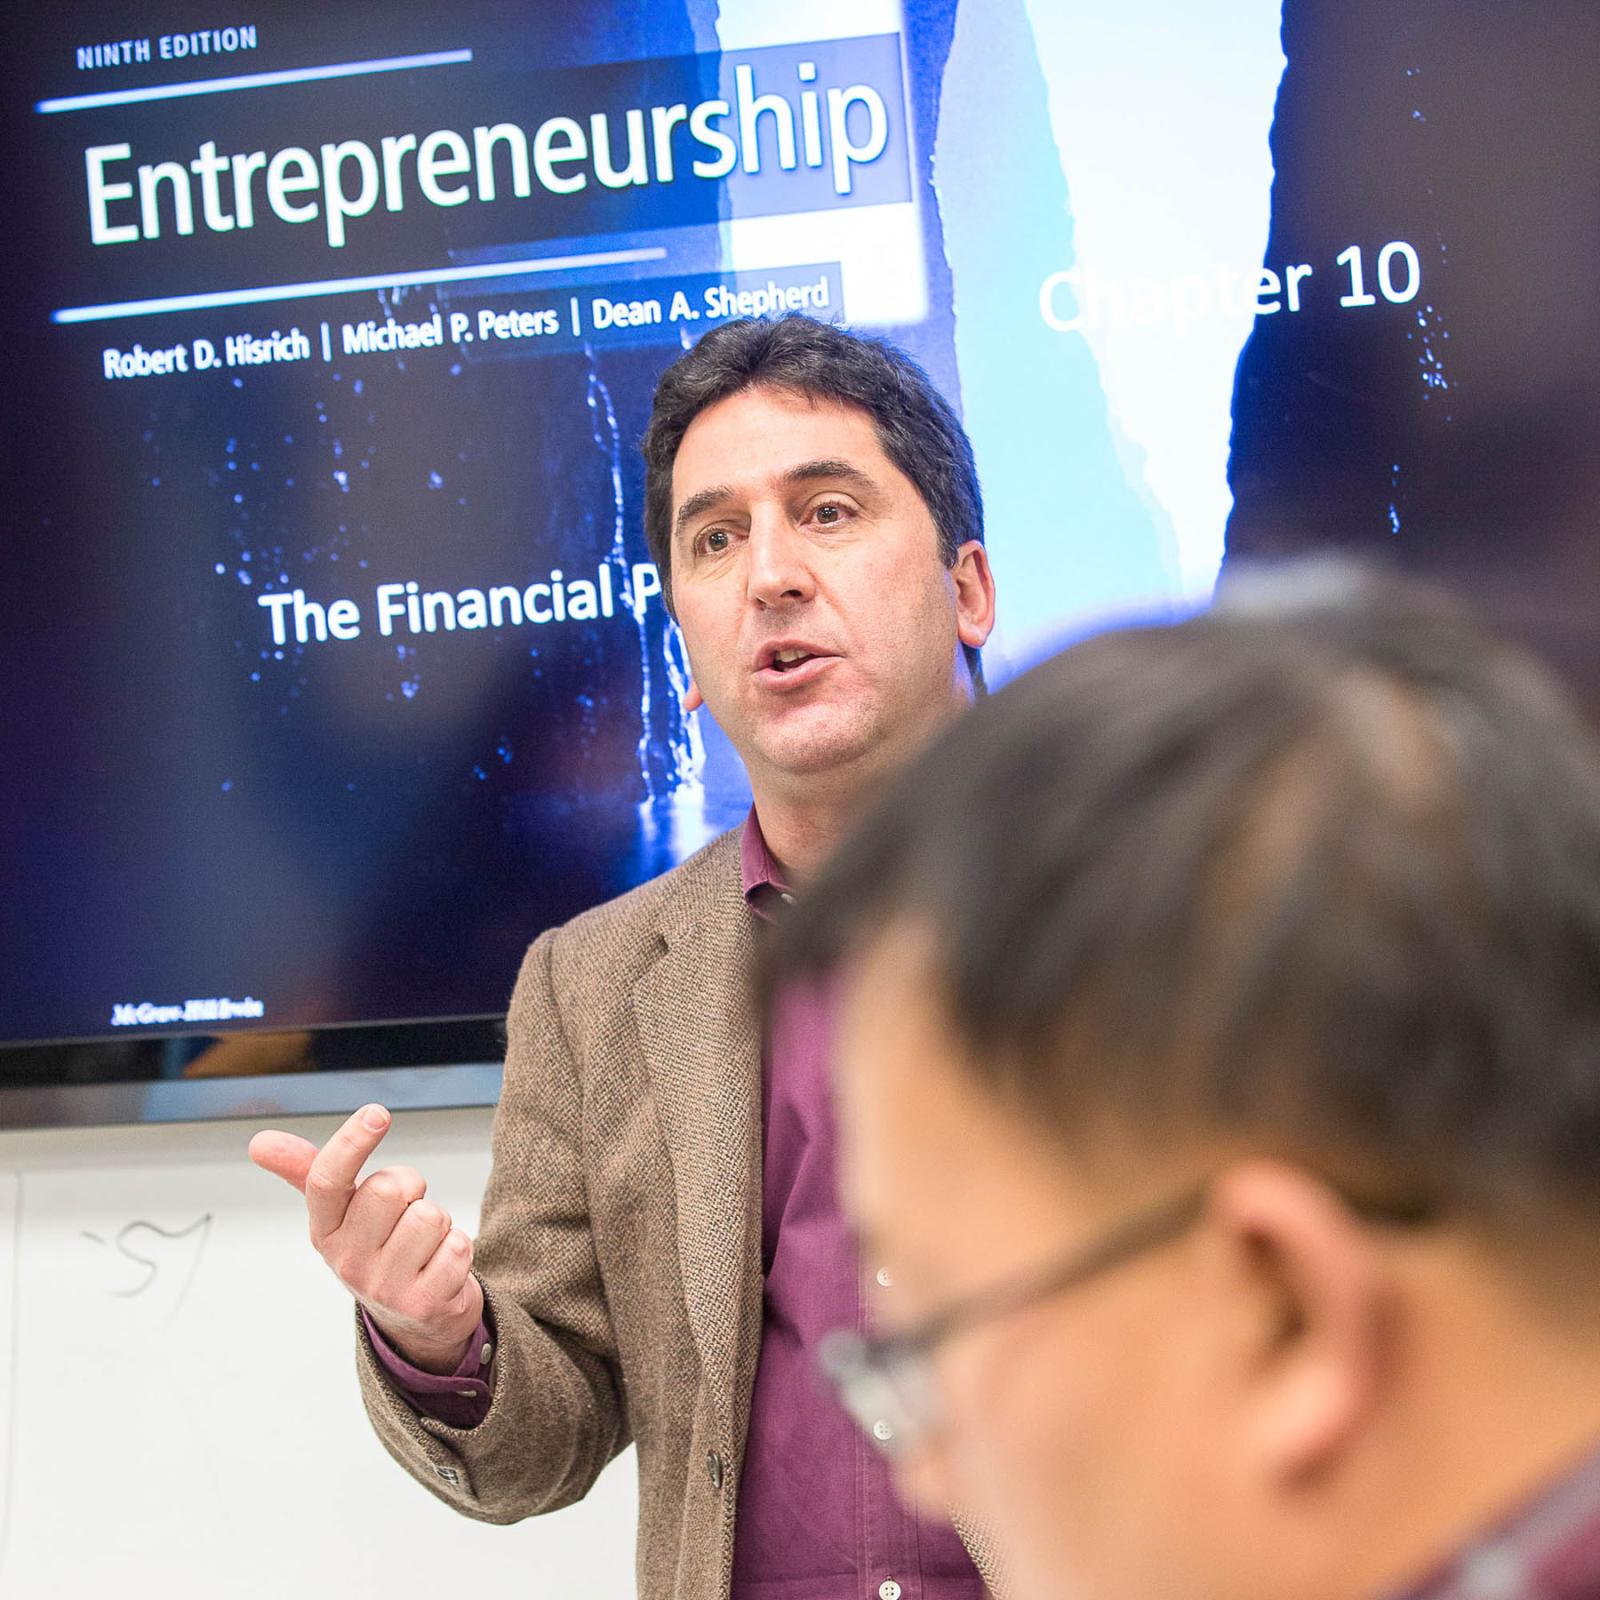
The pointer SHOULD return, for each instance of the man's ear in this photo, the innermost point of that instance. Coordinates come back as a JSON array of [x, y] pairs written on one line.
[[1314, 1305], [974, 585], [692, 698]]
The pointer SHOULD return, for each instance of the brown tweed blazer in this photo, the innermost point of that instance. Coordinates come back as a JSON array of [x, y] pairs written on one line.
[[620, 1245]]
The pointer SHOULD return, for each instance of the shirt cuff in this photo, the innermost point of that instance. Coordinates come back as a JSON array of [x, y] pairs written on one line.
[[460, 1398]]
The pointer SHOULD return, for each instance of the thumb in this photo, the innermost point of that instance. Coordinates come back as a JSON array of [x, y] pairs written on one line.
[[285, 1154]]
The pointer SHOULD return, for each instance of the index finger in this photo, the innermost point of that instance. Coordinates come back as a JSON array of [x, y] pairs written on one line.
[[332, 1178]]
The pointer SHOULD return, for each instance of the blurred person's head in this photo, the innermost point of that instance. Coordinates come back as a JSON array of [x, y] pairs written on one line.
[[813, 509], [1220, 1062]]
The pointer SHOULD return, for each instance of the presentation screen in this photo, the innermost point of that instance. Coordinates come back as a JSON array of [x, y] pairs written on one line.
[[335, 666]]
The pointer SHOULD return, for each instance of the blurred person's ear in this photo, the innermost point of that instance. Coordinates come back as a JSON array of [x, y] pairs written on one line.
[[1305, 1306]]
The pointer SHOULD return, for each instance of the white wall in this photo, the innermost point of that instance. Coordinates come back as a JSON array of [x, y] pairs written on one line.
[[178, 1403]]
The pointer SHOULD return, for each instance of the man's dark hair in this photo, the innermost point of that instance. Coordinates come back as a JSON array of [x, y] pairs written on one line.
[[1319, 868], [917, 428]]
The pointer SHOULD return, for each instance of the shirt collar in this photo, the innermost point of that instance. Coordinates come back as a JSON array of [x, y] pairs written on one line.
[[1548, 1549], [762, 877]]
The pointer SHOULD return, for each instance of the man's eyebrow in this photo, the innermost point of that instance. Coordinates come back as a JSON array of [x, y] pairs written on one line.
[[830, 468], [701, 500]]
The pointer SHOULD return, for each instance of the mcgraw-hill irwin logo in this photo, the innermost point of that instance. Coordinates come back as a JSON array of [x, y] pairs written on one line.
[[146, 1015]]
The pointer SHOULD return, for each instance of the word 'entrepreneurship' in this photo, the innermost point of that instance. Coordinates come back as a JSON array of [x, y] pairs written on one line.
[[348, 178]]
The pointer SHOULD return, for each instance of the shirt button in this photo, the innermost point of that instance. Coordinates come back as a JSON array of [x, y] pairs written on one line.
[[885, 1278], [714, 1469], [882, 1432], [485, 1354], [786, 897], [888, 1590], [467, 1394]]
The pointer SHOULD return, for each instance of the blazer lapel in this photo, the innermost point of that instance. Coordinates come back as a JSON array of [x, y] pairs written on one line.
[[701, 1041]]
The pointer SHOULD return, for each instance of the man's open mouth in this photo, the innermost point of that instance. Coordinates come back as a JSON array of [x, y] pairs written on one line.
[[783, 660]]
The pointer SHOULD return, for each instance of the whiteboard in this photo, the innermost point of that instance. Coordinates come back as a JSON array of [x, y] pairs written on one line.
[[178, 1401]]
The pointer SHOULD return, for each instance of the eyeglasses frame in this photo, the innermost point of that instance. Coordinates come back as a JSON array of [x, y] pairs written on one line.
[[863, 1367]]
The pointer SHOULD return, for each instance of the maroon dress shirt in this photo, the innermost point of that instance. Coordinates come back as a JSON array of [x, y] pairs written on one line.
[[818, 1515]]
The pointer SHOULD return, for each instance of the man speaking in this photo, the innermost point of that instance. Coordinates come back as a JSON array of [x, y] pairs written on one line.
[[662, 1246]]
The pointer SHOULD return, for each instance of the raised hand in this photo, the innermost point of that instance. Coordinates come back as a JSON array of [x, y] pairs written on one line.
[[395, 1250]]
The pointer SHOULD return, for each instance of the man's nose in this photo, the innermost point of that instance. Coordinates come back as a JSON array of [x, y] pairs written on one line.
[[779, 561]]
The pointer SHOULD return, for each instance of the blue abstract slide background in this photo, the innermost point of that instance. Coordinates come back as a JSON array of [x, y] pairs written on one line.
[[334, 666]]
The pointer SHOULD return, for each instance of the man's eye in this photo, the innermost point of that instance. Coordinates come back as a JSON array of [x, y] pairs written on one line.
[[717, 539], [829, 514]]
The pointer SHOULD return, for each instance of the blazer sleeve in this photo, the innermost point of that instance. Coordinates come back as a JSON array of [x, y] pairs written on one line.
[[556, 1415]]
